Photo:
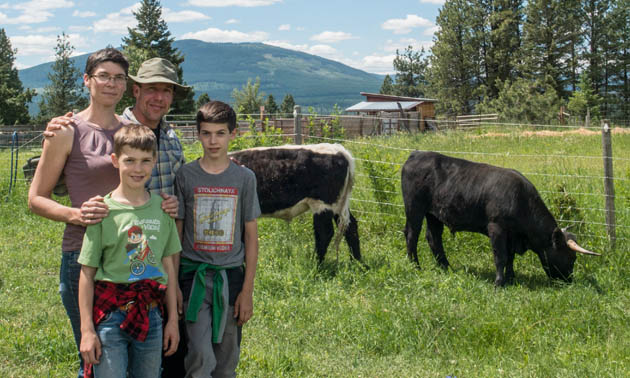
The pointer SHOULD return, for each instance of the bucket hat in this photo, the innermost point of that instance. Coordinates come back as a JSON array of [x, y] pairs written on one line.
[[158, 70]]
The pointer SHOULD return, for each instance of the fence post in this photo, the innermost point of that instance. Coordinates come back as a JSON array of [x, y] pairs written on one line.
[[14, 152], [297, 124], [361, 125], [609, 185]]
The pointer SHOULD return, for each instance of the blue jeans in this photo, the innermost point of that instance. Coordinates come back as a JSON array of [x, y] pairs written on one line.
[[122, 354], [69, 291]]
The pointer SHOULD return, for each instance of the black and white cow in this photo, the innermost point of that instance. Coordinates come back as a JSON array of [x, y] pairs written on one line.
[[498, 202], [292, 179]]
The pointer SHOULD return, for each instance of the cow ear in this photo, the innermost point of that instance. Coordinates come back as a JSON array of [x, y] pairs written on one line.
[[558, 238]]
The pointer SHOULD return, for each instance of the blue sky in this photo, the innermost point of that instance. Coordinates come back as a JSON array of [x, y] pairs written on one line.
[[362, 34]]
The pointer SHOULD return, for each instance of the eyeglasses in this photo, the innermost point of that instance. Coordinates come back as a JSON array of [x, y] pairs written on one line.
[[104, 77]]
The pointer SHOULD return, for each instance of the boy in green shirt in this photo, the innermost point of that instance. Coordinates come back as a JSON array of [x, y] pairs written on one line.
[[127, 272]]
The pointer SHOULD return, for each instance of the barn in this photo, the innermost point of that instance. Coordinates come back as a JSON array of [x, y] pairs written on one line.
[[417, 113]]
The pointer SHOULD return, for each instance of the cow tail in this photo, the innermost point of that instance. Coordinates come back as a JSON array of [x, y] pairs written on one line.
[[344, 199]]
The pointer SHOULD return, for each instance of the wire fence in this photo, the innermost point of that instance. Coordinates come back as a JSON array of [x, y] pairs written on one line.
[[570, 183]]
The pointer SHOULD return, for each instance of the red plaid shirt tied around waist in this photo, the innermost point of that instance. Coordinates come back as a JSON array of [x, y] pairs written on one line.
[[137, 299], [109, 296]]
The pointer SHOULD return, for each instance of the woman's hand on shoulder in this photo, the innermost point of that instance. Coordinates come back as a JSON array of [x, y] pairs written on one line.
[[91, 211]]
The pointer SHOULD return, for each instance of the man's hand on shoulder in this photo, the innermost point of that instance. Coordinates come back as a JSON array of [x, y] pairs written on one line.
[[58, 123], [170, 205]]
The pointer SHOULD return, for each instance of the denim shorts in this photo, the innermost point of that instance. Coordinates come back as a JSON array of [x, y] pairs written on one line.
[[122, 353]]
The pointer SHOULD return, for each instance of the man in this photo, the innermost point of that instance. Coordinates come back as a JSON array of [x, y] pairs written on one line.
[[154, 88]]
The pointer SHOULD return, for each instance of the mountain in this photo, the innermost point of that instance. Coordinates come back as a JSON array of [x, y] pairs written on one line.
[[218, 68]]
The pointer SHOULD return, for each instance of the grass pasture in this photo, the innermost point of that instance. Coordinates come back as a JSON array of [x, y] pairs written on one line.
[[392, 320]]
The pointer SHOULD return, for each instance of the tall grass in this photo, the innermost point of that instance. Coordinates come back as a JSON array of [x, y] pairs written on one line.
[[393, 319]]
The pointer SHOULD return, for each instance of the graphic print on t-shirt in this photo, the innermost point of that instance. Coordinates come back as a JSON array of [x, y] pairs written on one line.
[[215, 215], [140, 258]]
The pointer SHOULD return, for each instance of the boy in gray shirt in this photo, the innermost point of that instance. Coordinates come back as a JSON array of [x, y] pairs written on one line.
[[218, 207]]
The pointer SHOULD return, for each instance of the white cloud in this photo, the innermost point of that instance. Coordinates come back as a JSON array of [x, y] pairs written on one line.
[[32, 12], [431, 31], [79, 52], [183, 16], [47, 29], [34, 44], [287, 45], [26, 18], [21, 66], [40, 44], [218, 35], [118, 22], [320, 50], [381, 64], [38, 5], [332, 37], [77, 28], [437, 2], [284, 27], [232, 21], [404, 26], [83, 14], [232, 3], [324, 50], [402, 44]]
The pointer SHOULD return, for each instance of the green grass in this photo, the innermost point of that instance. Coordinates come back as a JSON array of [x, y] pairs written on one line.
[[393, 319]]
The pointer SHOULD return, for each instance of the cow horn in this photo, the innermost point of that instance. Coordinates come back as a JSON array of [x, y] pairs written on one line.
[[574, 246]]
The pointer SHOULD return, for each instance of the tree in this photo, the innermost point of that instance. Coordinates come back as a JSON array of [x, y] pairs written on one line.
[[270, 105], [584, 99], [202, 99], [150, 39], [549, 41], [410, 69], [388, 86], [596, 29], [64, 93], [286, 108], [504, 21], [524, 100], [135, 56], [621, 78], [249, 99], [13, 98], [455, 60]]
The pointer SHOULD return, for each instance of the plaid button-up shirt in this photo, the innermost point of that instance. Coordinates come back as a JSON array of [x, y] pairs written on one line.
[[170, 158]]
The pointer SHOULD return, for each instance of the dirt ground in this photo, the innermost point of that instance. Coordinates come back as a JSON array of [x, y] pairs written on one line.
[[547, 133]]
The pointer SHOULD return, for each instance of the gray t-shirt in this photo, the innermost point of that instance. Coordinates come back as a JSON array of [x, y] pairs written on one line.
[[214, 209]]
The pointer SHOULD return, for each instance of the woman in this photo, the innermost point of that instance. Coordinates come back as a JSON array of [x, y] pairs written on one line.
[[82, 152]]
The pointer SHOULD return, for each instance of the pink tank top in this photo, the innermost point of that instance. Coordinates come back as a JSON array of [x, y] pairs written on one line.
[[89, 172]]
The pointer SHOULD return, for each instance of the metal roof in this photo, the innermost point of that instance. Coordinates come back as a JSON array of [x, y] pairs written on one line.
[[397, 98], [388, 106]]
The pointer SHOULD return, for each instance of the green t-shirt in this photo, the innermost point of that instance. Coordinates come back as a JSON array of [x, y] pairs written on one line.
[[129, 244]]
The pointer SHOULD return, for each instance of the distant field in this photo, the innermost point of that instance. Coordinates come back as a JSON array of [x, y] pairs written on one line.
[[391, 320]]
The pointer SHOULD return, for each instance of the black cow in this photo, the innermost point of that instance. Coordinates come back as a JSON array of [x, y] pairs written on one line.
[[293, 179], [498, 202]]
